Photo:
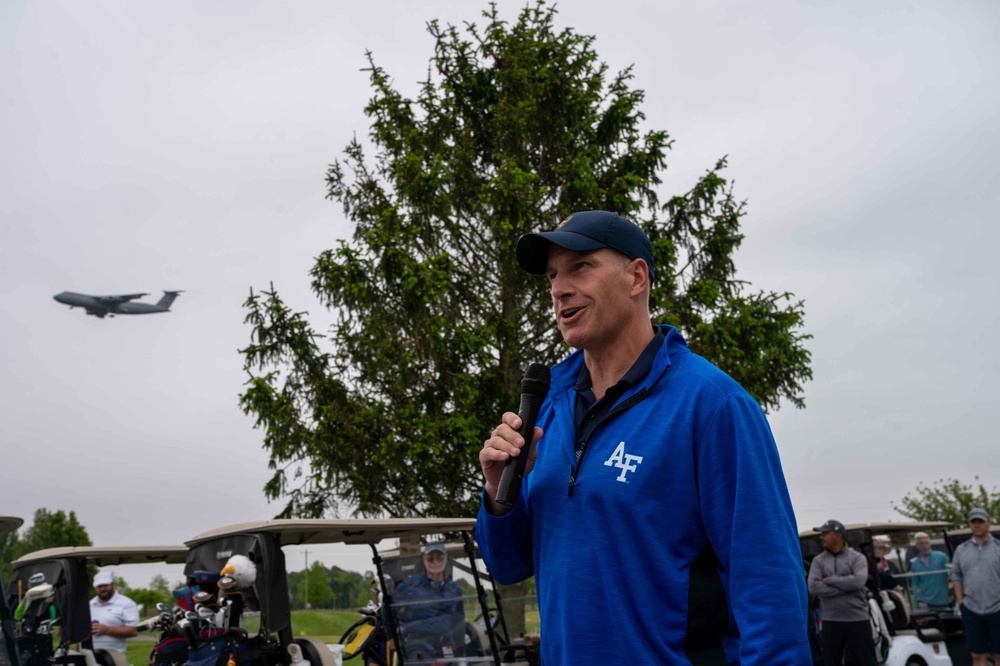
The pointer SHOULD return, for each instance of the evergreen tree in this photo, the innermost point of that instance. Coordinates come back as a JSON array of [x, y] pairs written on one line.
[[516, 126]]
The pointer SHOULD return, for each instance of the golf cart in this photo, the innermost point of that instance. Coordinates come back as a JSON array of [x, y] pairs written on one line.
[[901, 636], [53, 588], [379, 636], [8, 634]]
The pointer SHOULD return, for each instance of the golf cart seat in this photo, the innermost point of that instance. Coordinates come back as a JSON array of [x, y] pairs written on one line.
[[899, 616], [110, 657]]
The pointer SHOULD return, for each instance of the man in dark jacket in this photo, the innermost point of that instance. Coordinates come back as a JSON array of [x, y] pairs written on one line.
[[837, 577], [429, 608]]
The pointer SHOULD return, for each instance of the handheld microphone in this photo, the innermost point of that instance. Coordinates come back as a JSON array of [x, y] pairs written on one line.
[[534, 388]]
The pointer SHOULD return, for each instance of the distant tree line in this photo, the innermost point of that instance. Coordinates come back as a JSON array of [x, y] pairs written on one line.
[[331, 587]]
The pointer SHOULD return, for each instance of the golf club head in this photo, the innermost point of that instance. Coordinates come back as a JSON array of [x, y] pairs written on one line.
[[203, 597]]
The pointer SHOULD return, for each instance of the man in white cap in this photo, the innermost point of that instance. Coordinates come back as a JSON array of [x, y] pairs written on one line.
[[976, 575], [114, 616]]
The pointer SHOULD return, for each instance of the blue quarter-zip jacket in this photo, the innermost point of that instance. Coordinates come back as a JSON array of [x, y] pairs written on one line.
[[678, 541]]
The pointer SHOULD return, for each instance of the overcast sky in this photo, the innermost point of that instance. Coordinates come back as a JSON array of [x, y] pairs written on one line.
[[183, 145]]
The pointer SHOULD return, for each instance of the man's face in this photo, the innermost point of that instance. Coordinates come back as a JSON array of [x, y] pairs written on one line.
[[923, 544], [831, 540], [434, 563], [980, 528], [105, 592], [592, 295]]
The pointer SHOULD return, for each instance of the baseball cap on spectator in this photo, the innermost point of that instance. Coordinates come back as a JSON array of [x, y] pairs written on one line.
[[103, 578], [436, 547], [979, 514], [830, 526]]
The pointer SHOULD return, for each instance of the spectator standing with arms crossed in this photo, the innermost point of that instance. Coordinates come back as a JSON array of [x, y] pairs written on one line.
[[114, 616], [647, 461], [976, 574], [837, 577]]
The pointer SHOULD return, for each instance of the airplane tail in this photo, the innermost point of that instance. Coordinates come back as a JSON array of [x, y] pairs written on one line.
[[168, 298]]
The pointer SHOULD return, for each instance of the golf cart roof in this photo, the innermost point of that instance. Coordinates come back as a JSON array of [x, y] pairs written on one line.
[[104, 556], [351, 531], [887, 527], [9, 523]]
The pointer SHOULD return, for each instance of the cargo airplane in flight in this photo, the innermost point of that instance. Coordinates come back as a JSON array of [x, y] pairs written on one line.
[[99, 306]]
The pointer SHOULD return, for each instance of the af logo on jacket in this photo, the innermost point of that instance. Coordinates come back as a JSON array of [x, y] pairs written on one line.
[[626, 462]]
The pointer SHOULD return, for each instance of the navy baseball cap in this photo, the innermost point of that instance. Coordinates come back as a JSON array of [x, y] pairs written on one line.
[[583, 232], [437, 547]]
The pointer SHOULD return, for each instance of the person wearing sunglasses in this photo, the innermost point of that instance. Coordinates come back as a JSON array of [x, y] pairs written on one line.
[[429, 610]]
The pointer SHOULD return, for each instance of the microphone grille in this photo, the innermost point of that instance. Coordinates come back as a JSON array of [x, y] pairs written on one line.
[[537, 379]]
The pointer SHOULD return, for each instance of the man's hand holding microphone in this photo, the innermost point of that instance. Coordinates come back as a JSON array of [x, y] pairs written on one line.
[[503, 458]]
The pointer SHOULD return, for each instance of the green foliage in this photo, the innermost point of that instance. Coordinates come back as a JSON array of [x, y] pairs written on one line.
[[9, 545], [516, 126], [48, 530], [52, 529], [159, 591], [350, 589], [949, 500], [328, 588]]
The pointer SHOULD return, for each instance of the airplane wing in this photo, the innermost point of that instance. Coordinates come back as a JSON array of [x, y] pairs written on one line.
[[118, 300], [97, 313]]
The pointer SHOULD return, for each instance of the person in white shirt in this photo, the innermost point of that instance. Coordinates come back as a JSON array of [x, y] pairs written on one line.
[[113, 616]]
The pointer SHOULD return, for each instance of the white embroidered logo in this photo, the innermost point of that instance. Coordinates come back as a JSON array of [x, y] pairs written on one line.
[[626, 462]]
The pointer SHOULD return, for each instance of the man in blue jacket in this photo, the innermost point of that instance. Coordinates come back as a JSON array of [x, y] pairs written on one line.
[[428, 606], [651, 464]]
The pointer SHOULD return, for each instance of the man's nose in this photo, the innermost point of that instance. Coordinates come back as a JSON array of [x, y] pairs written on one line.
[[560, 286]]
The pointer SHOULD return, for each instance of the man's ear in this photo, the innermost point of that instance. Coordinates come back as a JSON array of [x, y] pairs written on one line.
[[639, 272]]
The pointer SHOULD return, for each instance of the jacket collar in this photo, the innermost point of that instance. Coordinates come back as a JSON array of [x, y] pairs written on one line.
[[566, 372]]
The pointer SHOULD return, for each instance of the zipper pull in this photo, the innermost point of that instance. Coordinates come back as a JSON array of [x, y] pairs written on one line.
[[572, 480]]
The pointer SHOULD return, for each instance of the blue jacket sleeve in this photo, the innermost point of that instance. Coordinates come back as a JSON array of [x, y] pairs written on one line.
[[748, 517], [505, 543]]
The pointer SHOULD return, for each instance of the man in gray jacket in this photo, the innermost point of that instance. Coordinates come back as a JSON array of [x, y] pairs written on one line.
[[976, 575], [837, 576]]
